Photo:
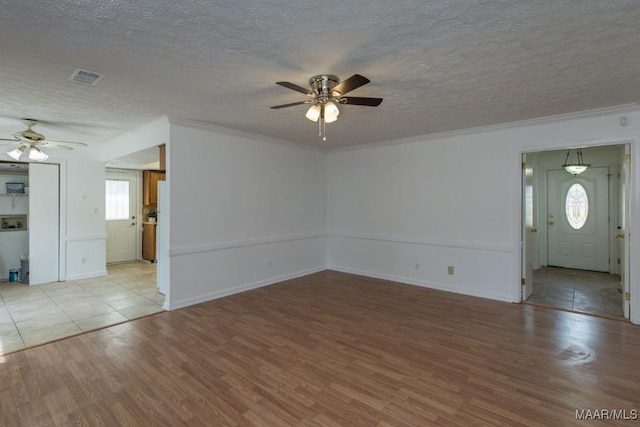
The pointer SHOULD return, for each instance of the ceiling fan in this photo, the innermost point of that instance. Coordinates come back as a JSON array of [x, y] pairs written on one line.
[[326, 91], [31, 142]]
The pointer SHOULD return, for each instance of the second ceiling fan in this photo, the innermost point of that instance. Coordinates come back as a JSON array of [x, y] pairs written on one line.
[[327, 91]]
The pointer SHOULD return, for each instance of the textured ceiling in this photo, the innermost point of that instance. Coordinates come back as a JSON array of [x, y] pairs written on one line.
[[439, 66]]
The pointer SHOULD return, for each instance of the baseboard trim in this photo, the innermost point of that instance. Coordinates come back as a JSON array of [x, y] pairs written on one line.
[[423, 284], [242, 288], [85, 237], [87, 275]]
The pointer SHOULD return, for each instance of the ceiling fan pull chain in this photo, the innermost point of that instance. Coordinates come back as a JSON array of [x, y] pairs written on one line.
[[324, 130]]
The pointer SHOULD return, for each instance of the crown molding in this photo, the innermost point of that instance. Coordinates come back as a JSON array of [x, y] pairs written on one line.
[[599, 112], [239, 133]]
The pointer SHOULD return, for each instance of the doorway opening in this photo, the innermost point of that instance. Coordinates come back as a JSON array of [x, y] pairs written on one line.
[[574, 255], [30, 216]]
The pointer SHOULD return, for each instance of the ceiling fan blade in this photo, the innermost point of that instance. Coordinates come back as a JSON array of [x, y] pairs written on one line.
[[295, 87], [47, 143], [54, 146], [350, 84], [356, 100], [11, 140], [275, 107]]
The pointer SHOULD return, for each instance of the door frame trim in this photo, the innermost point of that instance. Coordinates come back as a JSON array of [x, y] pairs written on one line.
[[137, 208], [632, 190]]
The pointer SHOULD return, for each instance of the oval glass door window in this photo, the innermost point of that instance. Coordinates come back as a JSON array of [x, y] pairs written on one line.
[[577, 206]]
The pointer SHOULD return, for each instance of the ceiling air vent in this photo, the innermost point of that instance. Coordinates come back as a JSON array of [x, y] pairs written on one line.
[[85, 77]]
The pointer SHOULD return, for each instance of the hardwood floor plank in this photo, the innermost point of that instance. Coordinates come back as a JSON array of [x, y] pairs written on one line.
[[331, 349]]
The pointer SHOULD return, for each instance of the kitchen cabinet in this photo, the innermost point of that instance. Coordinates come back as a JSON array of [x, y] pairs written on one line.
[[150, 186], [149, 241]]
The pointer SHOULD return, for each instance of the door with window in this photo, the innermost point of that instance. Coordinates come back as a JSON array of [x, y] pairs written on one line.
[[578, 219], [121, 190]]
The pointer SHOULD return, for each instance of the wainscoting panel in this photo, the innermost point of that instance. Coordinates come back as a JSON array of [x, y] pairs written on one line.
[[482, 270], [199, 275]]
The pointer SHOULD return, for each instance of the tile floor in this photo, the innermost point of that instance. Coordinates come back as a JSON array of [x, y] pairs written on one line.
[[32, 315], [587, 291]]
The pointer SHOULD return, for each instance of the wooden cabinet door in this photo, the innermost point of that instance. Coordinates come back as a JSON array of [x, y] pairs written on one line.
[[150, 186], [149, 242]]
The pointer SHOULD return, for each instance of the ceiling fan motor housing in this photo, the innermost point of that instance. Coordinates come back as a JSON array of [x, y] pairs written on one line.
[[30, 134], [323, 85]]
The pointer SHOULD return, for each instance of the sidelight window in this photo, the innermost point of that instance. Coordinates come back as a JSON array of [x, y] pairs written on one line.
[[577, 206]]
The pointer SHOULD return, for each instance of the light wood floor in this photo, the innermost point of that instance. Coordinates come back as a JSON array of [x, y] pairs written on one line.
[[331, 349]]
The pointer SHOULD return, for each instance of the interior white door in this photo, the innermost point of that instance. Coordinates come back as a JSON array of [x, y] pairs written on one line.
[[44, 223], [622, 236], [529, 230], [121, 191], [578, 219]]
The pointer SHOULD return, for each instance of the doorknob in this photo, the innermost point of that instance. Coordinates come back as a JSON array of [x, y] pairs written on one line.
[[133, 223], [620, 235], [534, 230], [551, 222]]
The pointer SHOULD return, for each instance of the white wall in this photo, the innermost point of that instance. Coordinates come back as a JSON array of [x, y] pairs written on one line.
[[85, 234], [245, 212], [430, 204], [453, 200]]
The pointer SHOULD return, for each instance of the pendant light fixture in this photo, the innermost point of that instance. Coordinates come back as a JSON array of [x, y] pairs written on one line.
[[579, 166]]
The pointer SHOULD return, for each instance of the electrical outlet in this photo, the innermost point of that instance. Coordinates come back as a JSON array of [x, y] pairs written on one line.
[[417, 266], [84, 260], [450, 270], [270, 264]]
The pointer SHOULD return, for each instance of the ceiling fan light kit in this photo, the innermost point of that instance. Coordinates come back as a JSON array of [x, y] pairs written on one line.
[[34, 141], [36, 154], [327, 91], [16, 153]]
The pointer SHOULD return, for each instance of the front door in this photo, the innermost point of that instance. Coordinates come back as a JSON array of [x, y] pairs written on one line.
[[121, 191], [578, 219]]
